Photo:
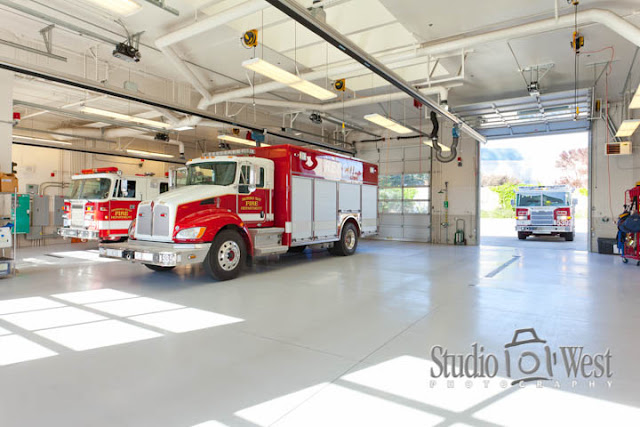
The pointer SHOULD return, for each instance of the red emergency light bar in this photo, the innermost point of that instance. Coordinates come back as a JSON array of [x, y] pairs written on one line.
[[100, 170]]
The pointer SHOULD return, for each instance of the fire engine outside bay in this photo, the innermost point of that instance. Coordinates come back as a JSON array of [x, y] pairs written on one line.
[[236, 205]]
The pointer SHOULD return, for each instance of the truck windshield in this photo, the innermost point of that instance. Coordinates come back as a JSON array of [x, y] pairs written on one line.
[[90, 188], [215, 173], [526, 200], [555, 199]]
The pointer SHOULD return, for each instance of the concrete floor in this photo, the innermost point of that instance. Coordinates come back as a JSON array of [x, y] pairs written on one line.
[[313, 340]]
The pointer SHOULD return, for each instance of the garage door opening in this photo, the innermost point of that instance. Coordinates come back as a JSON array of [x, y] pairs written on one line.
[[542, 164]]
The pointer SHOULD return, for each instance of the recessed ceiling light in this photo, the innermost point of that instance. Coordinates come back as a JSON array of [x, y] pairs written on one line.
[[52, 141], [119, 7], [149, 153], [635, 101], [125, 117], [238, 140], [387, 123], [627, 128], [273, 72]]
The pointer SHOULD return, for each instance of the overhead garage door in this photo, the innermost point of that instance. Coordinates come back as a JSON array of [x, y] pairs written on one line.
[[548, 113], [404, 197]]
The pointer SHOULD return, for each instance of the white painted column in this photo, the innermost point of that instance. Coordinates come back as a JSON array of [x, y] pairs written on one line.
[[6, 116]]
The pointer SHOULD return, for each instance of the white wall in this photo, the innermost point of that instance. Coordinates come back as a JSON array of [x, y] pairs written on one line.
[[624, 172], [6, 115], [463, 195]]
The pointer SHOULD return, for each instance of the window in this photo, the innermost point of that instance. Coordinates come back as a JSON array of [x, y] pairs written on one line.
[[164, 187], [90, 189], [555, 199], [126, 189], [215, 173], [405, 194], [528, 200], [243, 186], [261, 178]]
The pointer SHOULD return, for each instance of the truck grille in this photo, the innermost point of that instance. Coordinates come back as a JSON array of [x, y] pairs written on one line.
[[144, 219], [154, 222], [77, 215], [161, 223], [542, 218]]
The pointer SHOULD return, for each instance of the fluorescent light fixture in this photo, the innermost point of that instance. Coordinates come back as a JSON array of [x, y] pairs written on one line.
[[124, 117], [273, 72], [635, 101], [314, 90], [120, 7], [149, 153], [445, 149], [183, 128], [238, 140], [53, 141], [387, 123], [628, 127]]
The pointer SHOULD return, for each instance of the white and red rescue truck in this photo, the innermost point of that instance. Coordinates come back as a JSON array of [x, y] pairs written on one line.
[[545, 210], [102, 203], [256, 202]]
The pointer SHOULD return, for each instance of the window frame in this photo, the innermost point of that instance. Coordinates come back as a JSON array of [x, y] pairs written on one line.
[[403, 201]]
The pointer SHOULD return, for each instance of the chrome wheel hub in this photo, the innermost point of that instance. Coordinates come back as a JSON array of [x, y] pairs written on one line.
[[350, 239], [229, 255]]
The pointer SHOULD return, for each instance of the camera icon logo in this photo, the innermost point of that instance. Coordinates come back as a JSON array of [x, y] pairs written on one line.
[[531, 364]]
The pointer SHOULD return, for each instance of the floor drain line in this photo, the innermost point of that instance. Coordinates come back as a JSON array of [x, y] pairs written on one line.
[[503, 266]]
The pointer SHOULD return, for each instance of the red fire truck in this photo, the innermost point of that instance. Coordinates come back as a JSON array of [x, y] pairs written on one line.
[[249, 203], [102, 203]]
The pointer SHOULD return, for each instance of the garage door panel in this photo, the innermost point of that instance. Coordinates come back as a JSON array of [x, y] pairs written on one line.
[[391, 219], [417, 220]]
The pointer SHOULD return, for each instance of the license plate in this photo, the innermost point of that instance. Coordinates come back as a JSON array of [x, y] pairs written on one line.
[[114, 253], [143, 256]]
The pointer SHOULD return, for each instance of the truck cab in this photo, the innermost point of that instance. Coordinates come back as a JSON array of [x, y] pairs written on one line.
[[545, 210], [102, 202], [235, 205]]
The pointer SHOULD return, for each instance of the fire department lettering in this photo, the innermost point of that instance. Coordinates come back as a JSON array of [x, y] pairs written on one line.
[[120, 213], [251, 204]]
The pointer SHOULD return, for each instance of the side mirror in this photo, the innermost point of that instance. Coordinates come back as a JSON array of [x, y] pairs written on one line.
[[252, 179], [123, 188], [513, 203]]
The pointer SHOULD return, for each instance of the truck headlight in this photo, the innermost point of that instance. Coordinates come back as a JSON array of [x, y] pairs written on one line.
[[563, 217], [191, 233], [132, 229]]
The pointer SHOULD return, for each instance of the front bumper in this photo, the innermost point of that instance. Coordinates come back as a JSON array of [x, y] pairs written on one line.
[[79, 233], [156, 253], [543, 229]]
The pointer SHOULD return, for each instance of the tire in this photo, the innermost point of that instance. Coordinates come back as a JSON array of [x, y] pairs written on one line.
[[226, 256], [522, 235], [348, 242], [569, 237], [297, 249], [158, 268]]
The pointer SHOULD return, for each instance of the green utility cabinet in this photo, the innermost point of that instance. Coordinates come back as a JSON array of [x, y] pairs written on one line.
[[20, 214]]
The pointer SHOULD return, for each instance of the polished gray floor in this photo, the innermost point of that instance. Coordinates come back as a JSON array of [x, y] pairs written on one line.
[[312, 340]]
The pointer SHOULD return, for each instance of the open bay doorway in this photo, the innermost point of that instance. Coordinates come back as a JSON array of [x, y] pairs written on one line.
[[541, 161]]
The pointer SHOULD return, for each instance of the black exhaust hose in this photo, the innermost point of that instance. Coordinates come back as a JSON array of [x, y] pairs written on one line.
[[436, 145]]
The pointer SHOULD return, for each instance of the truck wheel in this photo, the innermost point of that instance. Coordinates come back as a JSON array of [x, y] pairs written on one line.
[[158, 267], [297, 249], [226, 256], [569, 237], [522, 235], [348, 241]]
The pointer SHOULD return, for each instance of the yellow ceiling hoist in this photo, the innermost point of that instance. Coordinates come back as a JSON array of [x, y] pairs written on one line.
[[577, 42]]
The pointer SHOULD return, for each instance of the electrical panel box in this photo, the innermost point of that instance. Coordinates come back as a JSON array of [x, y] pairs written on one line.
[[40, 211], [6, 240], [58, 211], [19, 215], [32, 188]]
